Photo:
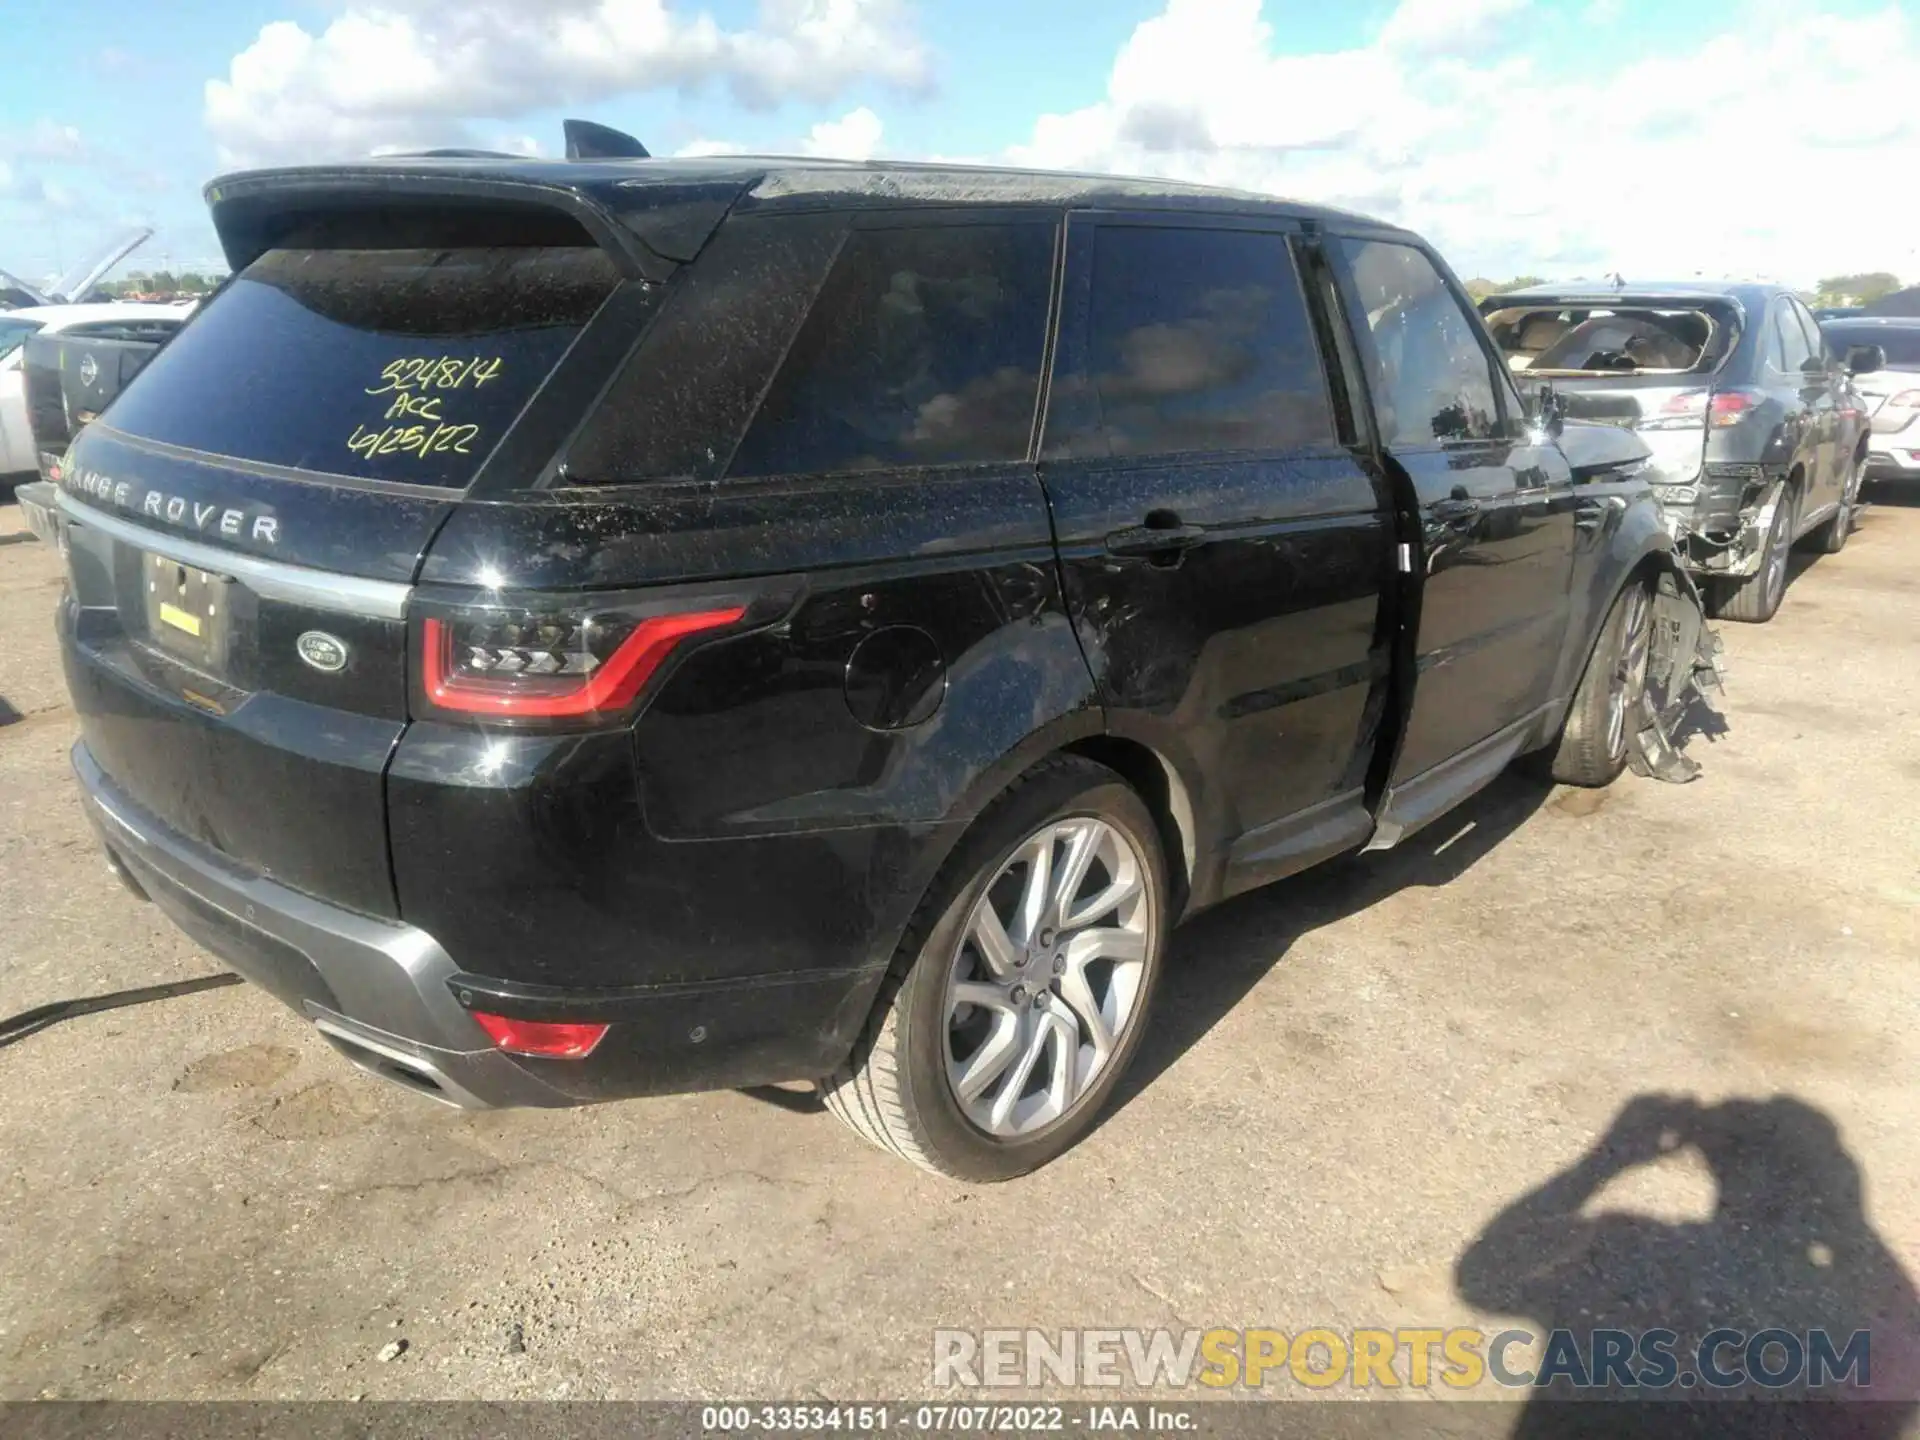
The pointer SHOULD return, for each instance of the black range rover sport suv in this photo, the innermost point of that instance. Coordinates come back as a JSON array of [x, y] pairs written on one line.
[[587, 629]]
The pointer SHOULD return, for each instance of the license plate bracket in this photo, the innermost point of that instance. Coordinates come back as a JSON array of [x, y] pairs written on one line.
[[188, 614]]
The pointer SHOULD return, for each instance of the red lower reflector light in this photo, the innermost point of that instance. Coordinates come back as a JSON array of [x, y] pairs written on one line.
[[545, 1038]]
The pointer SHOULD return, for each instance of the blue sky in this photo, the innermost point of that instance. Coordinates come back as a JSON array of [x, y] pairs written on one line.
[[1559, 136]]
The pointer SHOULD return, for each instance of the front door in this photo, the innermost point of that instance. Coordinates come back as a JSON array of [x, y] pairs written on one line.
[[1495, 508], [1224, 552]]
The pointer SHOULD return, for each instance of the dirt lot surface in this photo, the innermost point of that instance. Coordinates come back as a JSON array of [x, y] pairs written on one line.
[[1354, 1074]]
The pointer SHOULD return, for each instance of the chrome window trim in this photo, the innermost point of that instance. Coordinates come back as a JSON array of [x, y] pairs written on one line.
[[271, 579]]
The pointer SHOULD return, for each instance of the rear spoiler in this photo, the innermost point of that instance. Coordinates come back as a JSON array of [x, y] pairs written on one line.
[[650, 228]]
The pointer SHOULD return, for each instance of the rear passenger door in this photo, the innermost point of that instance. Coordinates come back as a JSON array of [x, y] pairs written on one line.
[[1789, 353], [1822, 390], [1224, 554], [1496, 510]]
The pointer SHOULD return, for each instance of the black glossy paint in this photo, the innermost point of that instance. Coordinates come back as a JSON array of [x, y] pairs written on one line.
[[1494, 516], [1229, 605], [1497, 525], [725, 873], [290, 788]]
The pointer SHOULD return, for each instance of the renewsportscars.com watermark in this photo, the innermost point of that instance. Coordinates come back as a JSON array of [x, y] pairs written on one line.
[[1366, 1359]]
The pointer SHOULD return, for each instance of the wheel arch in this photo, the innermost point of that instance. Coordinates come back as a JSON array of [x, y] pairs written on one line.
[[1158, 782], [1650, 555]]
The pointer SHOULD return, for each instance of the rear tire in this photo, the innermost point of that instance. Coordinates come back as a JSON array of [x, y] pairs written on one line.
[[1756, 599], [999, 988], [1833, 534], [1605, 713]]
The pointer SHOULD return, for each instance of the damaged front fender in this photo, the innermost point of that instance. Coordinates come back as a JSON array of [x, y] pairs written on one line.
[[1683, 665]]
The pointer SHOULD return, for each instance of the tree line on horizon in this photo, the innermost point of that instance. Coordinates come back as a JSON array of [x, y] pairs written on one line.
[[160, 282]]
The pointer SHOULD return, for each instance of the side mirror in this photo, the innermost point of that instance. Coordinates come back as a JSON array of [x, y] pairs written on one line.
[[1865, 359], [1550, 410]]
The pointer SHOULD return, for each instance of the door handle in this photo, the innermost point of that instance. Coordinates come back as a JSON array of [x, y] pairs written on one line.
[[1154, 540]]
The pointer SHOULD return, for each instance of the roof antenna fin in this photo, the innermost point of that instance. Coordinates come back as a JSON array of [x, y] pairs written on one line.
[[588, 141]]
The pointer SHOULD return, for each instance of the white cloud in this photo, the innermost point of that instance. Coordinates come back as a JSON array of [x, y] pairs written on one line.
[[410, 73], [1748, 151], [854, 136], [701, 149], [45, 140], [1752, 150], [1446, 27]]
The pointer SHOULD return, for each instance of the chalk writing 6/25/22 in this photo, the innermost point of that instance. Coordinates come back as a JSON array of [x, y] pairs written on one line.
[[436, 372], [418, 384], [419, 441]]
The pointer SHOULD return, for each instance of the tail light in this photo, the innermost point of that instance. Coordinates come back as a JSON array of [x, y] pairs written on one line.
[[545, 659], [1685, 411], [1730, 407], [1690, 409]]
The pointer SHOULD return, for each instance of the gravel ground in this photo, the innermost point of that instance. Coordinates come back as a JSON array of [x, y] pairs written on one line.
[[1353, 1075]]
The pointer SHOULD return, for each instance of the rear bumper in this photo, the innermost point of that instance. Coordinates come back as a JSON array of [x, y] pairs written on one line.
[[389, 997], [36, 502], [1896, 454], [375, 989]]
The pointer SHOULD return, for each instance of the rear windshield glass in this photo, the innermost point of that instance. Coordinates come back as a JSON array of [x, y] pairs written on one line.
[[1901, 343], [396, 365], [1623, 340]]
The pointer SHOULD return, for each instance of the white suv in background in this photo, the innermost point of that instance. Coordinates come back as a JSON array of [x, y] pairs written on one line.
[[1891, 393]]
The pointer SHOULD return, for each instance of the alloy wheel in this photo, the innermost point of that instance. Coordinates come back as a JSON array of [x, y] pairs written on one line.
[[1047, 977], [1779, 549], [1630, 671]]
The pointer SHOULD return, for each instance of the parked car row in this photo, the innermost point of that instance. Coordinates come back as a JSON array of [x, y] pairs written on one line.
[[592, 628]]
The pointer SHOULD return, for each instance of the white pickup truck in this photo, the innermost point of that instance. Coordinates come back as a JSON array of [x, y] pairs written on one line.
[[60, 310]]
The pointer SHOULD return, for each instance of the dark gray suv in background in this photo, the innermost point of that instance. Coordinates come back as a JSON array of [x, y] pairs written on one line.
[[1758, 439]]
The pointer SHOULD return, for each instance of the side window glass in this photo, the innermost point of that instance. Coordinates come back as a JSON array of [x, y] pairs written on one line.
[[1432, 380], [1776, 350], [923, 348], [1809, 327], [1794, 350], [1194, 341]]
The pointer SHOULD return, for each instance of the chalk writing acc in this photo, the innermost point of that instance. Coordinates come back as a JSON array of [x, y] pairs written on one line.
[[418, 387]]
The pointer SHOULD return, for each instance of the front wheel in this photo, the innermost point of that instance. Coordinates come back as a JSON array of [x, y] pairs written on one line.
[[1605, 713], [1022, 987]]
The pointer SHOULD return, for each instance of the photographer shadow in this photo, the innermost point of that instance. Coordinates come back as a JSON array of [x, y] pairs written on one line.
[[1787, 1247]]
